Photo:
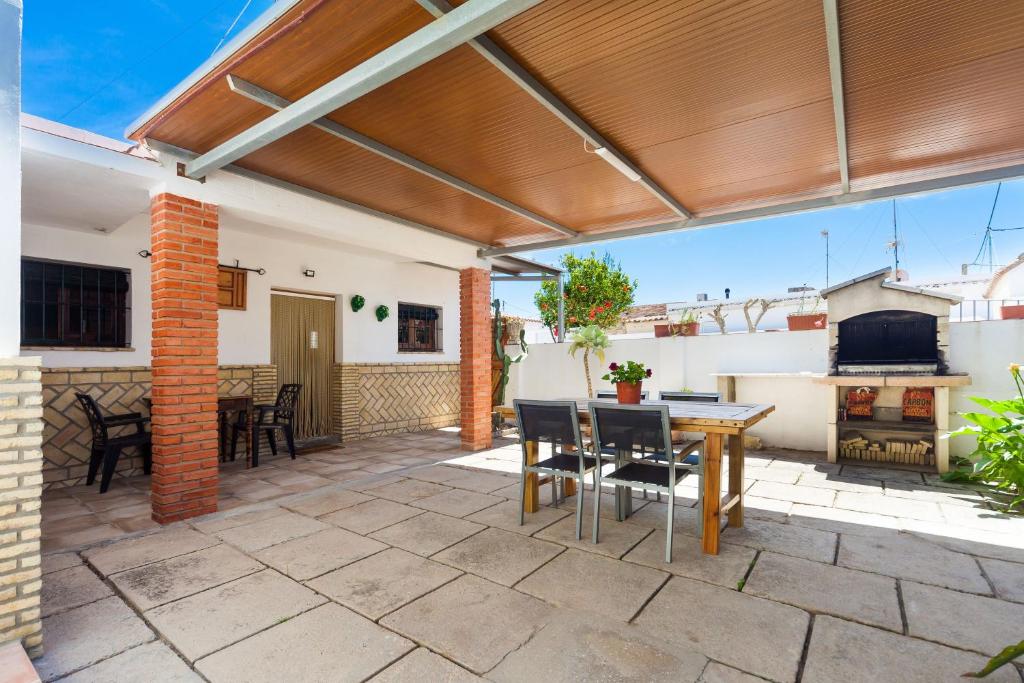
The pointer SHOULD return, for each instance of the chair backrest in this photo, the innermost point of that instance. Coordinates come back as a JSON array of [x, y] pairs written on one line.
[[96, 422], [695, 396], [605, 393], [634, 428], [288, 396], [555, 422]]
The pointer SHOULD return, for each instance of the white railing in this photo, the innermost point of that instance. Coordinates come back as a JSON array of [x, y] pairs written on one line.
[[971, 310]]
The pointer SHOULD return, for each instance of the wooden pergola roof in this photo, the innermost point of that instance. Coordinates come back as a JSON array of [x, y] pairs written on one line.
[[724, 109]]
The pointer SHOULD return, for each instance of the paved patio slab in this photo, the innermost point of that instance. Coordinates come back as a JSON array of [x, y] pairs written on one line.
[[592, 583], [755, 507], [437, 474], [843, 521], [152, 663], [329, 643], [316, 554], [268, 532], [877, 503], [844, 651], [481, 482], [726, 568], [506, 516], [457, 502], [365, 518], [408, 490], [135, 552], [808, 495], [961, 620], [500, 556], [427, 534], [210, 524], [785, 539], [1007, 577], [162, 582], [471, 621], [320, 503], [577, 648], [655, 515], [71, 588], [906, 557], [616, 538], [208, 621], [716, 672], [823, 588], [729, 626], [423, 665], [86, 635], [58, 561], [886, 474], [383, 582]]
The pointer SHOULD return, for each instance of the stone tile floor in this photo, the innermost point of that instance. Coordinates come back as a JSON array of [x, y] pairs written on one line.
[[401, 559]]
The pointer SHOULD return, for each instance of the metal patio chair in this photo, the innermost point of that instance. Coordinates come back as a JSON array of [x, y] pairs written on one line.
[[637, 429], [106, 448], [281, 418], [557, 423], [605, 393]]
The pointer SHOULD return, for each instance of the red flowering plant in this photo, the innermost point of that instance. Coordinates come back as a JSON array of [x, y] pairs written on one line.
[[597, 292], [630, 373]]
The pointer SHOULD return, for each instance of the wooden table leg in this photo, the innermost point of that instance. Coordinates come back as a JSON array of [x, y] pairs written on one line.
[[568, 483], [736, 457], [712, 492], [530, 504]]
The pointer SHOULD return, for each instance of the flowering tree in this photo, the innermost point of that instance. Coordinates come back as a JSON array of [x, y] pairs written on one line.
[[597, 292]]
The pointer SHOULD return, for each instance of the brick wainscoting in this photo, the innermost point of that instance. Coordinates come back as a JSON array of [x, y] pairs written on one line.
[[386, 398], [66, 436], [20, 497]]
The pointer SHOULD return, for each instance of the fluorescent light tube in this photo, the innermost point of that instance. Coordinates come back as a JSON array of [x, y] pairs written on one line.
[[617, 163]]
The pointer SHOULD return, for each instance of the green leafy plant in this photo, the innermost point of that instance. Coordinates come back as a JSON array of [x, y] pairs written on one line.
[[630, 373], [998, 460], [357, 302], [689, 316], [590, 340], [597, 292], [1008, 654], [499, 352], [382, 312]]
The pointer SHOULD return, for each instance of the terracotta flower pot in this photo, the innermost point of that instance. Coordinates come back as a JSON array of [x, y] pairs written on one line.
[[677, 330], [663, 330], [628, 392], [689, 329], [810, 321], [1012, 312]]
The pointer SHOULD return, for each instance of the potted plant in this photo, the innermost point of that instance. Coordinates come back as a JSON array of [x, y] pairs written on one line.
[[514, 328], [807, 317], [628, 380], [688, 326], [1011, 312], [591, 339]]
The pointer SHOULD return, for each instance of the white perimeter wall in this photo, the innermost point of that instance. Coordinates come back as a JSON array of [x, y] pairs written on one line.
[[245, 335], [982, 349]]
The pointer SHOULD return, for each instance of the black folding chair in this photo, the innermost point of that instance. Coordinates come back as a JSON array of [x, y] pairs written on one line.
[[557, 423], [637, 429], [281, 418], [106, 449]]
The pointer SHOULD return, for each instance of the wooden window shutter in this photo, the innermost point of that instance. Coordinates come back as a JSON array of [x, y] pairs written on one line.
[[231, 288]]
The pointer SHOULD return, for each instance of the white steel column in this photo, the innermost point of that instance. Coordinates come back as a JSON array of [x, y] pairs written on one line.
[[10, 177]]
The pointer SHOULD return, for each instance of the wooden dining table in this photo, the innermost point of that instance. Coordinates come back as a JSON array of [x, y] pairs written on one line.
[[721, 423]]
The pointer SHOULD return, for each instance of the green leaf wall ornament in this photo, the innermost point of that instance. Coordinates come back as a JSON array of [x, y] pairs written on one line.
[[382, 313], [357, 302]]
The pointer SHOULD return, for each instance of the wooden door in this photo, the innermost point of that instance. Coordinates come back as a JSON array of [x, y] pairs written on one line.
[[302, 348]]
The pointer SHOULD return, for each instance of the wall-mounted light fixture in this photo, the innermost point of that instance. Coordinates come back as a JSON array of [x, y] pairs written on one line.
[[309, 272], [145, 253]]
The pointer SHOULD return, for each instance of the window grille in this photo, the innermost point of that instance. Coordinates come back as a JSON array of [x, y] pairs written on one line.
[[419, 328]]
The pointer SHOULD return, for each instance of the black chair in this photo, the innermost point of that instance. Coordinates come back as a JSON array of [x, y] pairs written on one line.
[[281, 417], [106, 449], [557, 423], [637, 429], [692, 448], [604, 393]]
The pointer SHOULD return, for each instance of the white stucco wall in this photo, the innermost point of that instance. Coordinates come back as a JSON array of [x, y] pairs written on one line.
[[982, 349], [10, 176], [245, 335]]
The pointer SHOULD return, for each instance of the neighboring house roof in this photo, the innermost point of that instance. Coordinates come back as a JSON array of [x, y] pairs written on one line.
[[645, 312], [1016, 263]]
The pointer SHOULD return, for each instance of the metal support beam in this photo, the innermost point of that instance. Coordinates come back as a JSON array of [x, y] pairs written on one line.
[[523, 278], [504, 62], [274, 101], [917, 187], [561, 308], [835, 69], [463, 23]]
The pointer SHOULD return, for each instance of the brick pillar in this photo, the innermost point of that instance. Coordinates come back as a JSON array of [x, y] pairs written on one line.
[[184, 275], [21, 488], [475, 357]]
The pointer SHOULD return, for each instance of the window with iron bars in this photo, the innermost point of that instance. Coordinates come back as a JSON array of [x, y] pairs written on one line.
[[419, 328], [68, 304]]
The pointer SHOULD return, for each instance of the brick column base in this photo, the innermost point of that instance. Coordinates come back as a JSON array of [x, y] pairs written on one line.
[[475, 358], [21, 490], [184, 275]]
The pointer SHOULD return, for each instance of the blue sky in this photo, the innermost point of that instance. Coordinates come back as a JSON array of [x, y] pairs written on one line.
[[99, 65]]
